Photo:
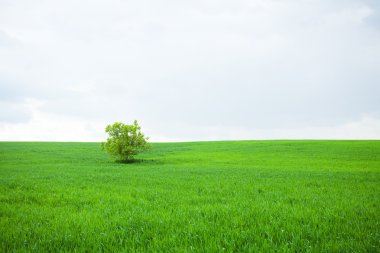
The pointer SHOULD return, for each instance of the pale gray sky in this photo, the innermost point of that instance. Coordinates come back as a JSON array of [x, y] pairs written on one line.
[[190, 70]]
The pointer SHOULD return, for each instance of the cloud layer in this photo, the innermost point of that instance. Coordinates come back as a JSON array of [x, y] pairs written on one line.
[[195, 70]]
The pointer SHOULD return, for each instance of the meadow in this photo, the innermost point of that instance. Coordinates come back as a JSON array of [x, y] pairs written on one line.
[[234, 196]]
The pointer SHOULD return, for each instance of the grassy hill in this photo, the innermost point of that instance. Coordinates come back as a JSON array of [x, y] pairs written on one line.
[[202, 196]]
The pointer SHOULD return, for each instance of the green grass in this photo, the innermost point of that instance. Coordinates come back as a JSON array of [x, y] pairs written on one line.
[[243, 196]]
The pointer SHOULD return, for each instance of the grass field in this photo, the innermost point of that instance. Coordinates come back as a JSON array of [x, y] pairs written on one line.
[[243, 196]]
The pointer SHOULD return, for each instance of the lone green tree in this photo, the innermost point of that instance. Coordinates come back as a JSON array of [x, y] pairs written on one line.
[[125, 141]]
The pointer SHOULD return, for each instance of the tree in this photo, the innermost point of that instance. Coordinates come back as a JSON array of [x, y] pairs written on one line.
[[125, 141]]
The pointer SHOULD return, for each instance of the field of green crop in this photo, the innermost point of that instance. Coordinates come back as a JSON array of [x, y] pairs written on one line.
[[243, 196]]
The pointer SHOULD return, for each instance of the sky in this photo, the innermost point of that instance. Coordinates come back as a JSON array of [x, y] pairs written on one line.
[[190, 70]]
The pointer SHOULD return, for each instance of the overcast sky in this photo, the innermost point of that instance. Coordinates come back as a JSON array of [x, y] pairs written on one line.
[[190, 70]]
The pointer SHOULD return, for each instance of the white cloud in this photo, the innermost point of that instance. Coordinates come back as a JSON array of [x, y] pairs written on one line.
[[48, 127], [352, 15], [14, 112], [365, 128], [282, 66]]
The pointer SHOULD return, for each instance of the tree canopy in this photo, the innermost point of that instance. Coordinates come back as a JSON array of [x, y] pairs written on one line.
[[125, 141]]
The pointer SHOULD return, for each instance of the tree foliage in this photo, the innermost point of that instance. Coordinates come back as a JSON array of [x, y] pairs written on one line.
[[125, 141]]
